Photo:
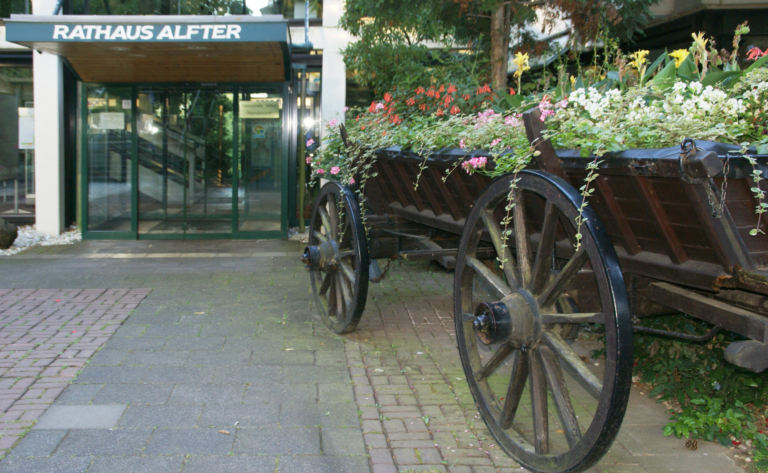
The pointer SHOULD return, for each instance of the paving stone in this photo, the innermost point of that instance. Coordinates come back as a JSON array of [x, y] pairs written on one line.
[[248, 374], [218, 358], [179, 374], [148, 417], [315, 374], [327, 415], [280, 394], [79, 394], [323, 464], [111, 374], [230, 464], [55, 464], [281, 357], [38, 443], [303, 440], [184, 441], [134, 394], [175, 330], [239, 416], [108, 357], [156, 358], [340, 441], [194, 343], [102, 442], [331, 393], [137, 464], [207, 394], [80, 417]]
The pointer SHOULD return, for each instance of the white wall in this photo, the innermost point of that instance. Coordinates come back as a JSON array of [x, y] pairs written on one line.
[[49, 136]]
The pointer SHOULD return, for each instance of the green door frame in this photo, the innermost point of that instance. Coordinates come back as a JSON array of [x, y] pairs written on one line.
[[288, 132]]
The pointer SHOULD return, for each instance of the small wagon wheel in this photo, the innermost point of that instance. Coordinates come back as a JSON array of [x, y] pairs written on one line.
[[546, 403], [337, 258]]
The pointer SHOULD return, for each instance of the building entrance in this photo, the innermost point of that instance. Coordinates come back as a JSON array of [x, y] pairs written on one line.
[[186, 162]]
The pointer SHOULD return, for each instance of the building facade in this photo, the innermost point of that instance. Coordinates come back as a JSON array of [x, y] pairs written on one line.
[[163, 119]]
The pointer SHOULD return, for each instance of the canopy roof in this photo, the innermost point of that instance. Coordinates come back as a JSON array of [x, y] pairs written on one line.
[[161, 49]]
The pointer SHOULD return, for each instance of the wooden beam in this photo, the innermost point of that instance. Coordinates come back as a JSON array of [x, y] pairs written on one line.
[[547, 160], [408, 184], [437, 209], [446, 193], [629, 240], [675, 248]]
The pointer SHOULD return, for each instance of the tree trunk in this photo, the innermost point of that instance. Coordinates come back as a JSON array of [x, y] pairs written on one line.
[[499, 48]]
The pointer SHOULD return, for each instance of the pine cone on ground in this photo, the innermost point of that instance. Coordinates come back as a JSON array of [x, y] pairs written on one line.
[[691, 444]]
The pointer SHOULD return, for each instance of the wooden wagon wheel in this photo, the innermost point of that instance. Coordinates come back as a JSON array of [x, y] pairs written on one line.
[[547, 404], [337, 258]]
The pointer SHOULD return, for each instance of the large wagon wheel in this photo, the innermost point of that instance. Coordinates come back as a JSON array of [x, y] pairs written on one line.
[[337, 258], [547, 404]]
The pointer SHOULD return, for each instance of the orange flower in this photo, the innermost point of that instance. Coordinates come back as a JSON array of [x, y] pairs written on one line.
[[384, 133], [455, 110], [419, 90], [387, 97], [423, 106], [437, 95], [431, 93], [372, 108], [362, 128], [511, 91], [447, 100], [466, 97], [441, 89], [440, 112], [451, 89], [484, 89], [411, 102]]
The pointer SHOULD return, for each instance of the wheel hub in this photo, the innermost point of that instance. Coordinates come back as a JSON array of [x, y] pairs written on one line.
[[324, 256], [514, 320]]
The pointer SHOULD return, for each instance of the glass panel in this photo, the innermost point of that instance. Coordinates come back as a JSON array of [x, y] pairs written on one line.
[[109, 158], [293, 9], [185, 161], [259, 202], [17, 166], [14, 6]]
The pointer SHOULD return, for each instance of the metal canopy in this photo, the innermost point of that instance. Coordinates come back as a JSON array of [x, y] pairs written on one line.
[[161, 49]]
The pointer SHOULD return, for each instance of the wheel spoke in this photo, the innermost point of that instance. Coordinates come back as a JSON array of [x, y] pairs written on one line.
[[346, 254], [504, 253], [326, 283], [543, 263], [522, 244], [341, 308], [332, 294], [539, 404], [515, 389], [348, 272], [556, 343], [556, 287], [333, 211], [345, 291], [326, 218], [499, 287], [499, 356], [321, 237], [560, 395], [579, 318]]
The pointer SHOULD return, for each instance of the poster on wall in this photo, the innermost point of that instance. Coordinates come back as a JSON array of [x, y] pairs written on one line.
[[260, 108], [26, 128], [111, 121]]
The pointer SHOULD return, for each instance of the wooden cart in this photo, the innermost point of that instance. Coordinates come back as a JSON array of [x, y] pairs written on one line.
[[657, 238]]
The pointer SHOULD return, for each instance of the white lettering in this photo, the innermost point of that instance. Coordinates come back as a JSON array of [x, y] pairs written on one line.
[[219, 31], [77, 32], [177, 33], [130, 34], [192, 30], [165, 33], [89, 29], [147, 32], [119, 33], [206, 29], [102, 32], [60, 31], [233, 31]]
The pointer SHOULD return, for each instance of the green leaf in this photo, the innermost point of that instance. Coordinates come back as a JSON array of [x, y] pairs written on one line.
[[687, 70], [714, 78], [747, 382], [652, 68], [666, 76]]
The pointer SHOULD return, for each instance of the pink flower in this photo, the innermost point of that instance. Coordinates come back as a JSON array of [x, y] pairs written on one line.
[[513, 120], [562, 104], [335, 170], [379, 106], [320, 171], [351, 180], [546, 108], [310, 142], [462, 144], [495, 142], [345, 109], [474, 163], [332, 123], [309, 159]]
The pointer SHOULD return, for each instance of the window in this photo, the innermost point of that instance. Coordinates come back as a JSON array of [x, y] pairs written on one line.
[[17, 157]]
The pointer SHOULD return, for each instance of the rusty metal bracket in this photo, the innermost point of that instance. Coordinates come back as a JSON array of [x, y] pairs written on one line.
[[685, 336]]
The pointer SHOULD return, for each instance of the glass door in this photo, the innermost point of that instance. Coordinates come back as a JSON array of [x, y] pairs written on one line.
[[185, 174]]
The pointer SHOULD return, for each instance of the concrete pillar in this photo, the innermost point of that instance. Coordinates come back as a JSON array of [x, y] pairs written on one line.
[[49, 135], [334, 92]]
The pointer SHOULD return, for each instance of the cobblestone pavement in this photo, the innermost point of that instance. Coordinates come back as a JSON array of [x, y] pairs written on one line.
[[47, 337], [225, 366]]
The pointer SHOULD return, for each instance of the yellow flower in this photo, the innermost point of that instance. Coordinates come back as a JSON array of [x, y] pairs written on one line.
[[699, 40], [521, 61], [573, 81], [679, 56], [638, 59]]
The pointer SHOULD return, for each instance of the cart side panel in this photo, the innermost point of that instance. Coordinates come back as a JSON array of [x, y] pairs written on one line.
[[741, 205]]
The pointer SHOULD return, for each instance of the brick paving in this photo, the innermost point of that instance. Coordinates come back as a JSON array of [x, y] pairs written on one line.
[[229, 340], [47, 336]]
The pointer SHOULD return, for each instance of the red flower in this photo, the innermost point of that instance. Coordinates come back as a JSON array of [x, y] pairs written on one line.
[[440, 112], [387, 97], [423, 106], [466, 97], [755, 53], [486, 89], [511, 91], [411, 102], [455, 110], [384, 133], [441, 89], [447, 100], [431, 93], [736, 442], [419, 90], [372, 108], [437, 95], [451, 89]]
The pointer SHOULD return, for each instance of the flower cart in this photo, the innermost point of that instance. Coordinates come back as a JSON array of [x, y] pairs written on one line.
[[546, 290]]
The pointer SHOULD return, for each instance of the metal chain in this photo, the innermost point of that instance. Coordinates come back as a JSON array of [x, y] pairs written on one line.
[[717, 210], [386, 268]]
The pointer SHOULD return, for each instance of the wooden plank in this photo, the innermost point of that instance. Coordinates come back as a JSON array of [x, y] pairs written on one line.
[[408, 184], [458, 179], [628, 238], [437, 209], [443, 222], [375, 196], [386, 168], [446, 194], [548, 159], [381, 181], [718, 313], [675, 249]]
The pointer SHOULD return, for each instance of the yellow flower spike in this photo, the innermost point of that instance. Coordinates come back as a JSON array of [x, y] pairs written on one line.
[[521, 61], [639, 58], [679, 56], [573, 82], [699, 40]]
